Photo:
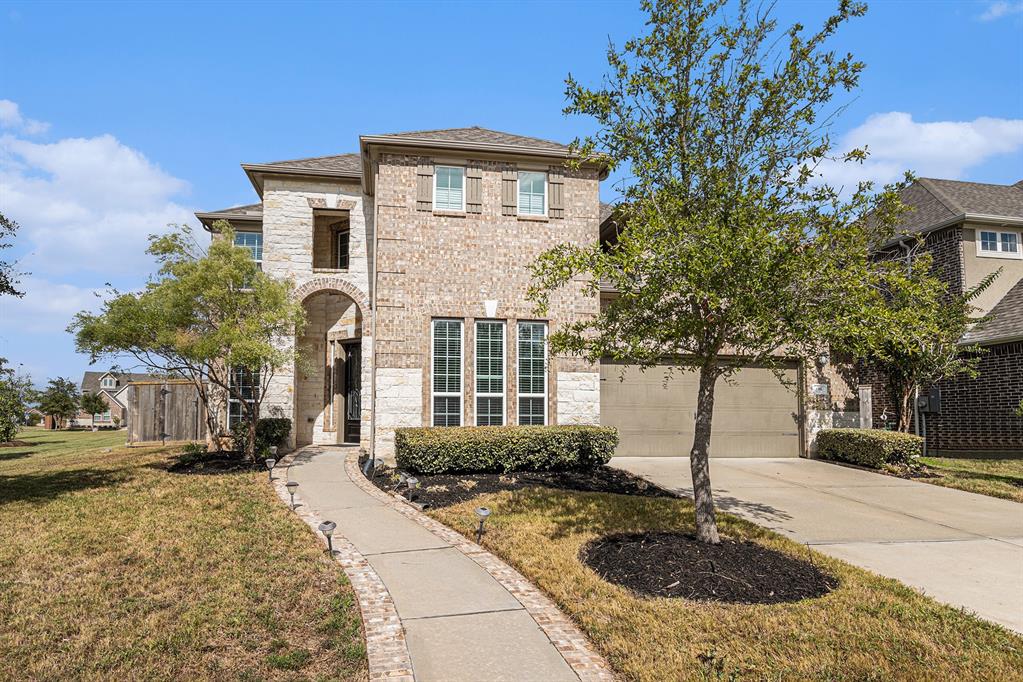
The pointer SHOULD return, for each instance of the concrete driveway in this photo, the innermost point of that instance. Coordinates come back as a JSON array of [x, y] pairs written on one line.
[[959, 548]]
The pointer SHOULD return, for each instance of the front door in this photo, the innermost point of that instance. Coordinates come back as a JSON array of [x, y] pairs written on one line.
[[353, 392]]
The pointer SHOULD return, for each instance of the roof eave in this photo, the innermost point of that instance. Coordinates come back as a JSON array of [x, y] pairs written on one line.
[[257, 171], [208, 218], [982, 218]]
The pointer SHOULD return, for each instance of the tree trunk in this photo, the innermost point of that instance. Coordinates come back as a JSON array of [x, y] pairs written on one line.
[[905, 408], [699, 464], [250, 437]]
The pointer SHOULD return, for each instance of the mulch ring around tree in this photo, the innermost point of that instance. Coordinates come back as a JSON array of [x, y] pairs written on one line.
[[677, 565], [444, 490]]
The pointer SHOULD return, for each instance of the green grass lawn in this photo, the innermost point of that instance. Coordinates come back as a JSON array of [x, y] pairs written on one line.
[[997, 477], [112, 566], [868, 628]]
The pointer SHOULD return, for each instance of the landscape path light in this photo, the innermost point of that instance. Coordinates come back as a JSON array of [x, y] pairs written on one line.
[[327, 528], [482, 513], [413, 484], [292, 486], [270, 463]]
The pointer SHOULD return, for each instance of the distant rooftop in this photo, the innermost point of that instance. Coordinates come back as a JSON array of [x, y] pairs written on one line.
[[937, 202]]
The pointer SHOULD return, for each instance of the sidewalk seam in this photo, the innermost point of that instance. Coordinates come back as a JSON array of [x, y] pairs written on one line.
[[567, 639], [386, 648]]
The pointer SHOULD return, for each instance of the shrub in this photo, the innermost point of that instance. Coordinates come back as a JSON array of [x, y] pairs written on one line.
[[868, 447], [269, 432], [465, 449]]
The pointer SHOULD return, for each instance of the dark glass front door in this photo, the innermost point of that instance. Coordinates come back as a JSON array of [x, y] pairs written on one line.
[[353, 392]]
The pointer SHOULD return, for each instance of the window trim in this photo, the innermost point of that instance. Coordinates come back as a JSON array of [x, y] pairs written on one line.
[[336, 238], [108, 382], [546, 198], [997, 252], [436, 168], [503, 395], [461, 373], [518, 375], [256, 385]]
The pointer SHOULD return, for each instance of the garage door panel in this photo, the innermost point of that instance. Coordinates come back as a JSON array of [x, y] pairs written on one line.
[[755, 415]]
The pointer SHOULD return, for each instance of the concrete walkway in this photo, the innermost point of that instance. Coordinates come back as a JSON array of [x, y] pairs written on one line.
[[959, 548], [460, 623]]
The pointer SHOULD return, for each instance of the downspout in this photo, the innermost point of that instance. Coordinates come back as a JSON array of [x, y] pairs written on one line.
[[371, 463], [916, 390]]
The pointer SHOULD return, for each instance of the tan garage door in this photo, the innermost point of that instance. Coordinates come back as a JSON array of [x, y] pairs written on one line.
[[755, 415]]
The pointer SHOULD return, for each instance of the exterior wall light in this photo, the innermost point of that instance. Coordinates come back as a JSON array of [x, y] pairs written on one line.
[[292, 486], [270, 463], [327, 528], [481, 513]]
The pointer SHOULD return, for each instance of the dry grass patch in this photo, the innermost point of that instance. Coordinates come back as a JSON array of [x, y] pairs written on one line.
[[111, 566], [997, 477], [868, 628]]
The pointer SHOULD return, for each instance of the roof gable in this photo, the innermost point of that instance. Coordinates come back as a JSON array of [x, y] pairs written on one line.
[[1005, 321]]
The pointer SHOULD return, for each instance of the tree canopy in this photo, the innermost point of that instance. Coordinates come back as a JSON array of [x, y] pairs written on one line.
[[210, 315], [60, 399], [733, 245], [8, 275]]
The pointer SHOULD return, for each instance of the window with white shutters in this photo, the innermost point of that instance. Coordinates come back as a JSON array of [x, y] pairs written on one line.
[[446, 382], [489, 373]]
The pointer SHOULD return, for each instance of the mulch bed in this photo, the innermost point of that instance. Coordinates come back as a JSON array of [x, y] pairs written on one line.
[[444, 490], [667, 564], [213, 463], [17, 444]]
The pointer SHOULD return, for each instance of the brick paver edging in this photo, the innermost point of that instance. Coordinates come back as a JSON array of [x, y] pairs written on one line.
[[386, 649], [570, 642]]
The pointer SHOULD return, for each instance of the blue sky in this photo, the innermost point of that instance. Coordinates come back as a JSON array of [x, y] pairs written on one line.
[[116, 119]]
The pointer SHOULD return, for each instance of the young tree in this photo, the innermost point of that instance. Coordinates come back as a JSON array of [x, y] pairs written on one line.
[[94, 404], [917, 337], [732, 243], [15, 395], [8, 276], [60, 400], [209, 315]]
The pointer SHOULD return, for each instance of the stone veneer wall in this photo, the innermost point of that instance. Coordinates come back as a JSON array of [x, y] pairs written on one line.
[[438, 264], [288, 219], [578, 397]]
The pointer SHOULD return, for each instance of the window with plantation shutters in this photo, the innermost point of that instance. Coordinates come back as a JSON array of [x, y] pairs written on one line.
[[532, 193], [449, 188], [489, 373], [446, 382], [424, 185], [532, 373]]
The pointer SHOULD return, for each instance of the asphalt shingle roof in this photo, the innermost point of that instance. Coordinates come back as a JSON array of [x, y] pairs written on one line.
[[482, 136], [90, 380], [1005, 320], [934, 201], [339, 163]]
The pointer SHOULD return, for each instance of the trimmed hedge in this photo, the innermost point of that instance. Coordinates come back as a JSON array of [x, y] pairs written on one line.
[[269, 431], [483, 449], [868, 447]]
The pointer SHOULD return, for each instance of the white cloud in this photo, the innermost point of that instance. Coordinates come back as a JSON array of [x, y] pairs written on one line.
[[47, 306], [10, 117], [997, 10], [85, 204], [944, 149]]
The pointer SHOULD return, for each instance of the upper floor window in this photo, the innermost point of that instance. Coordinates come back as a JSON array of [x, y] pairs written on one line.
[[253, 241], [449, 188], [108, 382], [342, 237], [1005, 244], [532, 193]]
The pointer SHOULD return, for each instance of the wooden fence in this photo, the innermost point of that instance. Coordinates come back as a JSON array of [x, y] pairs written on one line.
[[164, 412]]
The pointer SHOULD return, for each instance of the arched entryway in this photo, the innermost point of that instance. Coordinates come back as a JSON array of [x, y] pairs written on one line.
[[330, 373]]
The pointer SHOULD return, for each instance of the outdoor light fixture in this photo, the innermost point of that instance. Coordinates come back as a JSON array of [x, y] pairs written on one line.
[[413, 484], [273, 451], [822, 359], [327, 528], [292, 486], [482, 513], [270, 462]]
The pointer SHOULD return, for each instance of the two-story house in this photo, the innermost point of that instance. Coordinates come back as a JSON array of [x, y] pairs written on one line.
[[111, 387], [412, 260], [971, 230]]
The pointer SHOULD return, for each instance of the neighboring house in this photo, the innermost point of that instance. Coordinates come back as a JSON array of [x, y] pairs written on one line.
[[110, 386], [971, 230], [412, 260]]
